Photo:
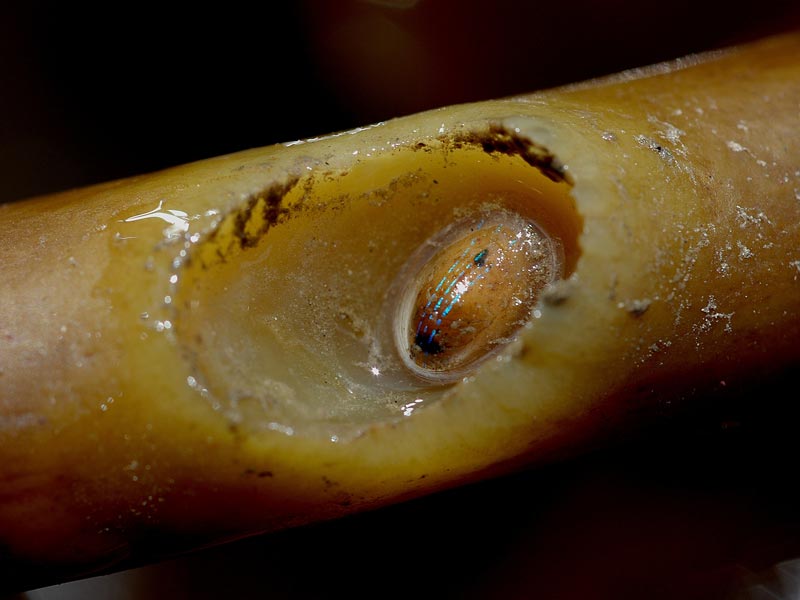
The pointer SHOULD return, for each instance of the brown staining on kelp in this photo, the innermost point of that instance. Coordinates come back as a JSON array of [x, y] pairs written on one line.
[[329, 483], [259, 474], [243, 227], [402, 182], [241, 220], [261, 212], [500, 140]]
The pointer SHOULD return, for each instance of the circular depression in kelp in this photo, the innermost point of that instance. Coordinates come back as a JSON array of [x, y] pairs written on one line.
[[289, 311]]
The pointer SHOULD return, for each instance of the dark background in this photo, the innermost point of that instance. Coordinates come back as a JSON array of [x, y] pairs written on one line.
[[96, 92], [705, 506]]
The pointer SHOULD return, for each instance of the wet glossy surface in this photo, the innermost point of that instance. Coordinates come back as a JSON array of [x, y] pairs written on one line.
[[681, 517], [477, 284]]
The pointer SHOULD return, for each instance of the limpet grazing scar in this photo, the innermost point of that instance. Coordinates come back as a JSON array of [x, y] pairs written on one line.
[[469, 289]]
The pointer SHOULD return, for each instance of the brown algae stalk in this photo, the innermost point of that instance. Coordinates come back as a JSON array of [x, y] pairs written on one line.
[[298, 332]]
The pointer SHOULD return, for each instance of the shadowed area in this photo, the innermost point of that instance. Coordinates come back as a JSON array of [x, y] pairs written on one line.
[[701, 507]]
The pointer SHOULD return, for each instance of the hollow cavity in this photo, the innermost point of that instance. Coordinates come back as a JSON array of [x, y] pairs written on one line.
[[289, 311]]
